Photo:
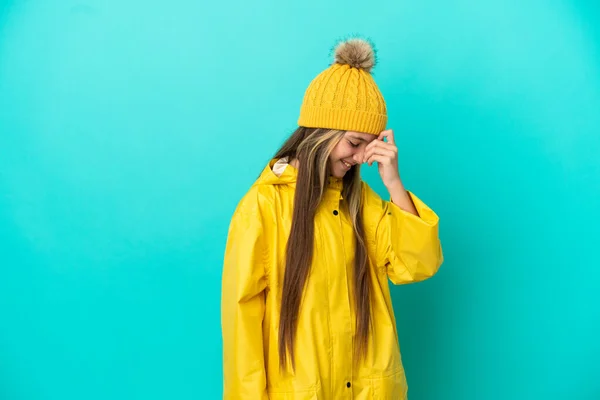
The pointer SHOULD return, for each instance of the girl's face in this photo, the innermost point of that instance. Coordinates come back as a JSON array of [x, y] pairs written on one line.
[[348, 152]]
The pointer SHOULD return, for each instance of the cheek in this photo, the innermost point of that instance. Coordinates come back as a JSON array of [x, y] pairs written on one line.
[[337, 153], [343, 150]]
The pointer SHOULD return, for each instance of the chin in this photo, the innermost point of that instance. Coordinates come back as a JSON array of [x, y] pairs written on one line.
[[339, 174], [337, 171]]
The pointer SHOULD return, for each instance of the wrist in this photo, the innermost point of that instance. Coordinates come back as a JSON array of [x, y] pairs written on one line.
[[395, 186]]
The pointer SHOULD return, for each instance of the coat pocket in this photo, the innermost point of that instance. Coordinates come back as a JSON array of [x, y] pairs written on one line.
[[392, 386], [302, 394], [299, 395]]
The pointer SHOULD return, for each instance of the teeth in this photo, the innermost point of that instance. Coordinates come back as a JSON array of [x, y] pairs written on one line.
[[345, 163]]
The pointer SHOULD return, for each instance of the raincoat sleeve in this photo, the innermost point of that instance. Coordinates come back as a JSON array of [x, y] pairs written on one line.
[[406, 245], [243, 306]]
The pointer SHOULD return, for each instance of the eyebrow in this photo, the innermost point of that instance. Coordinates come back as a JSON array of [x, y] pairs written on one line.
[[357, 138]]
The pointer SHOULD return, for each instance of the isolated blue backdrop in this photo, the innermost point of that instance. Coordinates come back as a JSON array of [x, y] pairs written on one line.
[[130, 129]]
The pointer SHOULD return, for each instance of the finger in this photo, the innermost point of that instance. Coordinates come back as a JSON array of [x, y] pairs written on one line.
[[379, 158], [381, 152], [385, 151], [389, 134], [373, 143], [380, 143], [385, 145]]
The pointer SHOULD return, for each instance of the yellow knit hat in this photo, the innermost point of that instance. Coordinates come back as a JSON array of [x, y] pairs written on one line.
[[345, 96]]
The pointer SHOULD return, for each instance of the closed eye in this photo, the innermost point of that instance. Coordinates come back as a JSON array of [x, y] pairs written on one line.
[[353, 144]]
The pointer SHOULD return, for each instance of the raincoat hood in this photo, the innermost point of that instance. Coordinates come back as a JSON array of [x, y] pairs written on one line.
[[289, 176], [268, 177]]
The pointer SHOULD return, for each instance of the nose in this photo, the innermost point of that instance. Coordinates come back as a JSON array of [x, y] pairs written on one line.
[[358, 157]]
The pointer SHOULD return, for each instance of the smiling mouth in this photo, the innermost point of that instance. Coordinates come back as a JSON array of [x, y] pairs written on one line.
[[347, 165]]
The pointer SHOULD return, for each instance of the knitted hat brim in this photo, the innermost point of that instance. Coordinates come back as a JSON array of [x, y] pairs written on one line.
[[342, 119]]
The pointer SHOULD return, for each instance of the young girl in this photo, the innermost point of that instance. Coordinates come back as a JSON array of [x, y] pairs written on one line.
[[306, 308]]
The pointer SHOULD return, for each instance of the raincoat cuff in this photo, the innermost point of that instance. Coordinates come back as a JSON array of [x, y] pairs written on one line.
[[426, 215]]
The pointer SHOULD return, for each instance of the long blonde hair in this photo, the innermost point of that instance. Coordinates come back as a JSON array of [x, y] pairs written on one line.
[[312, 148]]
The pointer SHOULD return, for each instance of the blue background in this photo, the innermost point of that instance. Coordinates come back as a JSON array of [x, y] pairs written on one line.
[[130, 129]]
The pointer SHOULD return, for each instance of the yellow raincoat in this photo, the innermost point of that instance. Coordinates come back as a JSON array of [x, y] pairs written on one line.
[[401, 246]]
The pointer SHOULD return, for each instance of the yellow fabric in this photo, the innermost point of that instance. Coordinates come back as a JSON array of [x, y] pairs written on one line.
[[402, 248], [345, 98]]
